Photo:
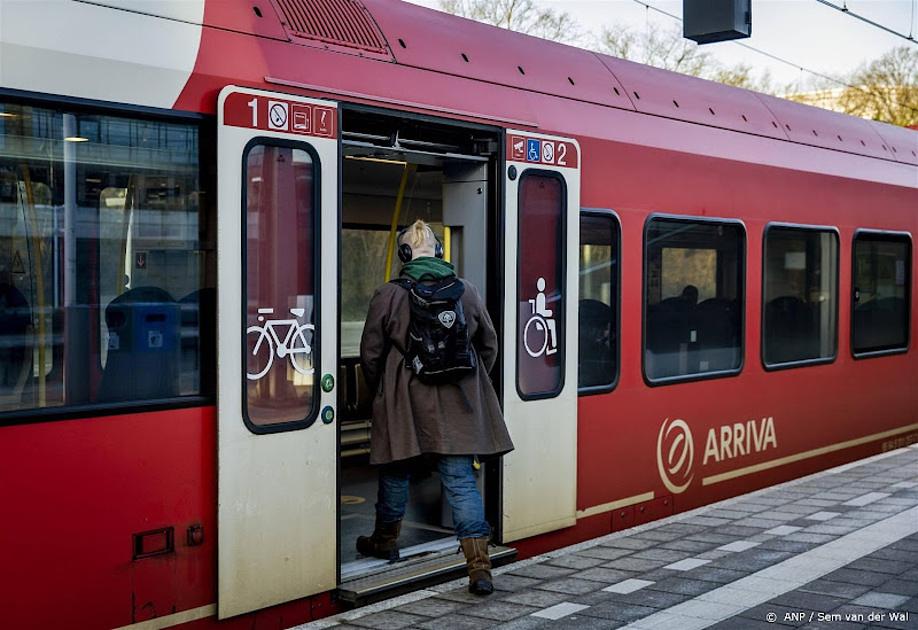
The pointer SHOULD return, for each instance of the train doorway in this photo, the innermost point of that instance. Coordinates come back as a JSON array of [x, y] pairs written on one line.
[[397, 169]]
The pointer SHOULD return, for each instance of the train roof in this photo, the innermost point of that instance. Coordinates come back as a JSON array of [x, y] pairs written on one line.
[[446, 43], [399, 34]]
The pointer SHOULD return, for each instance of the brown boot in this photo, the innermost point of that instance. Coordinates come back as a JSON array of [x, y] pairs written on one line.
[[478, 563], [383, 542]]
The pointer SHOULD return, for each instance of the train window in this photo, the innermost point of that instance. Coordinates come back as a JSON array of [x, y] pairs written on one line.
[[540, 285], [880, 300], [363, 264], [103, 259], [694, 295], [599, 273], [800, 295], [281, 270]]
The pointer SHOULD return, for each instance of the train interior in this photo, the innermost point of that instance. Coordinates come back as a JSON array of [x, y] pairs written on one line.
[[394, 171]]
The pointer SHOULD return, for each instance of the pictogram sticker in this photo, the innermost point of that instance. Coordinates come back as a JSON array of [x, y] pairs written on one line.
[[518, 148], [533, 151], [277, 115], [302, 118], [548, 151], [324, 121], [18, 267]]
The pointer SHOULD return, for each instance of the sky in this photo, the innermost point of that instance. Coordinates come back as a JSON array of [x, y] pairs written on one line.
[[803, 32]]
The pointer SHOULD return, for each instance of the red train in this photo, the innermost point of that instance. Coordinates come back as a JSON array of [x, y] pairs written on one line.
[[701, 291]]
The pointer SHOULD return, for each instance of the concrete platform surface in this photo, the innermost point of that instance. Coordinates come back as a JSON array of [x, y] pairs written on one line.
[[836, 550]]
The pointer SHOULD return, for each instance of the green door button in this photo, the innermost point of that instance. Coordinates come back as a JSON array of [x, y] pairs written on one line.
[[328, 383], [328, 415]]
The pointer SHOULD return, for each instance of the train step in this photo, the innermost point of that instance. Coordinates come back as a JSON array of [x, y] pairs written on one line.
[[414, 574]]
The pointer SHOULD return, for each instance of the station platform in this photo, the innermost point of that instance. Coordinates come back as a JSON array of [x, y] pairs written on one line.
[[836, 550]]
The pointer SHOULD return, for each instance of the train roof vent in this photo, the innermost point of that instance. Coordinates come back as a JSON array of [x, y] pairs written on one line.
[[334, 23]]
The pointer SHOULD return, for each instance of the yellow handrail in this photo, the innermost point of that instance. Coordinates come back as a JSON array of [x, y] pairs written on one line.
[[39, 283], [447, 244], [396, 216]]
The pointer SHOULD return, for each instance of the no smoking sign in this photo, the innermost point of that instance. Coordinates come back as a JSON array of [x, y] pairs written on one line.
[[277, 115]]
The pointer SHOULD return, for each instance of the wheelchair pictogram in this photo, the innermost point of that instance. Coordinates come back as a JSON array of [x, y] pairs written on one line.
[[295, 344], [540, 332]]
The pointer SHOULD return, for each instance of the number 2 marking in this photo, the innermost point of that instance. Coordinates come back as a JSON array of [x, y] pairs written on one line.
[[254, 105], [562, 154]]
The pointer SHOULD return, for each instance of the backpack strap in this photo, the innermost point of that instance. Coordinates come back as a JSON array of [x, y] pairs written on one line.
[[405, 283]]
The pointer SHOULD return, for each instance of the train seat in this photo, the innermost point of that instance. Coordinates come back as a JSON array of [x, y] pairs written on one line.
[[792, 332], [596, 328], [198, 347], [880, 323], [143, 346], [718, 334], [669, 333], [15, 344], [355, 400]]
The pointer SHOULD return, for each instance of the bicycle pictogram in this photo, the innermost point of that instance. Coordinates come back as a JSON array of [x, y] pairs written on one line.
[[542, 325], [295, 343]]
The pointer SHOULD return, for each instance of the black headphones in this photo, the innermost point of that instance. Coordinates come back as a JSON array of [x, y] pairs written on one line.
[[405, 254]]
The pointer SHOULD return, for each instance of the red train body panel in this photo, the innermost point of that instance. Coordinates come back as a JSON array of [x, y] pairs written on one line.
[[75, 490]]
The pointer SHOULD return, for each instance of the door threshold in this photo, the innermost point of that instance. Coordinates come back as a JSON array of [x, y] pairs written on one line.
[[366, 567], [412, 574]]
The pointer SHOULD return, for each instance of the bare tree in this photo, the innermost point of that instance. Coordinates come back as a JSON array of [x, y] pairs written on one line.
[[522, 16], [667, 49], [885, 89], [655, 47]]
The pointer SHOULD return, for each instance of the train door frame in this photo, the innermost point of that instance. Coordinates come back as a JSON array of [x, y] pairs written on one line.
[[542, 422], [272, 542], [494, 251]]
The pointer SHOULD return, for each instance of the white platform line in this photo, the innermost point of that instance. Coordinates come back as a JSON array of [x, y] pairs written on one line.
[[558, 611], [866, 499], [748, 592]]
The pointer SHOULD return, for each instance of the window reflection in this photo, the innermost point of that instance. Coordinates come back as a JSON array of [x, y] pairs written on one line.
[[598, 301], [882, 263], [800, 295], [281, 279], [101, 260], [540, 286]]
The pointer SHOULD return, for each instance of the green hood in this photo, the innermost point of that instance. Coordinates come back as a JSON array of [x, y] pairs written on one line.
[[428, 268]]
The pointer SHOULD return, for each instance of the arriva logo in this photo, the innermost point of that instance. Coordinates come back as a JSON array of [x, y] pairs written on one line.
[[675, 455], [676, 447]]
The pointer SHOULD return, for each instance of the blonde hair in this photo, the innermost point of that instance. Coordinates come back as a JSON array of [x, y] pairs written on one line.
[[419, 236]]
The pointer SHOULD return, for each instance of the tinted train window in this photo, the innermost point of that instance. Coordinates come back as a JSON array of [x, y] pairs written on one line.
[[800, 298], [599, 255], [880, 319], [540, 285], [281, 286], [694, 298], [103, 256]]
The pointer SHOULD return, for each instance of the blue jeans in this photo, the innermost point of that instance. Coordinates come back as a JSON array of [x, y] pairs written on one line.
[[458, 479]]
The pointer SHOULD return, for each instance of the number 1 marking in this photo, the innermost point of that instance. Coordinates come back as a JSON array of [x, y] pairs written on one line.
[[254, 105]]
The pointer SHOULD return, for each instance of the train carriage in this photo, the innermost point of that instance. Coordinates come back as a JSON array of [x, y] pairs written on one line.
[[700, 291]]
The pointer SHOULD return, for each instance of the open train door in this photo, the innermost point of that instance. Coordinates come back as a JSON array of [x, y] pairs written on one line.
[[277, 347], [542, 183]]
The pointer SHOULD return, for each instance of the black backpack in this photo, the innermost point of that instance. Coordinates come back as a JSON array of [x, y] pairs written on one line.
[[438, 349]]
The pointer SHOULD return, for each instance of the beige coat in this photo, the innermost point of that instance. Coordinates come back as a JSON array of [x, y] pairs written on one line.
[[411, 418]]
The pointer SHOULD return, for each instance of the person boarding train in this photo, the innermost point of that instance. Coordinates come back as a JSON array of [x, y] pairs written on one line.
[[426, 350]]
